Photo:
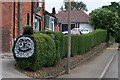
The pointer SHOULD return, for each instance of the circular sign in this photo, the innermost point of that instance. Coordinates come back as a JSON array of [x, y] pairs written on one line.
[[24, 47]]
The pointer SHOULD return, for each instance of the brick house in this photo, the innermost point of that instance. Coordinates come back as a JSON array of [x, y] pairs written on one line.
[[32, 14], [50, 21]]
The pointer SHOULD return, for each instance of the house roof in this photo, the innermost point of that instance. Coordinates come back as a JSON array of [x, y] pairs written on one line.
[[76, 16], [50, 14]]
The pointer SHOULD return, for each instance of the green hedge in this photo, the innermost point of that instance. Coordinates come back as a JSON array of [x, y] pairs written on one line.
[[83, 43], [79, 44], [58, 37], [51, 48], [45, 53]]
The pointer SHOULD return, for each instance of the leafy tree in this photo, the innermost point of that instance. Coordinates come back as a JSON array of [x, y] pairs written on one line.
[[74, 6], [115, 7], [104, 18]]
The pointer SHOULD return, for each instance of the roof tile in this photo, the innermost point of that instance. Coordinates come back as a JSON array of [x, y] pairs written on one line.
[[76, 16]]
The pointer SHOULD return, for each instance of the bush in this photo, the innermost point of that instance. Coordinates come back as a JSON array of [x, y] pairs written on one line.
[[117, 37], [88, 41], [58, 37], [74, 45], [83, 43], [54, 46], [45, 53], [59, 41], [28, 30], [23, 62]]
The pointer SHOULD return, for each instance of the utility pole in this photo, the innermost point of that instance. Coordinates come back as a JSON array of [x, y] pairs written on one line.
[[20, 17], [69, 39]]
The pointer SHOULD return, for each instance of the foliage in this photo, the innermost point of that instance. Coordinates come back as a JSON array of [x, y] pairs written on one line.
[[104, 18], [28, 30], [23, 62], [58, 38], [52, 46], [45, 53], [115, 7], [117, 37], [83, 43], [74, 6]]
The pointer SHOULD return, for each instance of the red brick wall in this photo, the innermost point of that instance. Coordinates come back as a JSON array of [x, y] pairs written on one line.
[[16, 20], [26, 8], [7, 23]]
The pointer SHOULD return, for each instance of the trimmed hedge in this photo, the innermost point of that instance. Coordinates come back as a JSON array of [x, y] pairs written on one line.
[[58, 37], [53, 46], [46, 50], [45, 53], [83, 43]]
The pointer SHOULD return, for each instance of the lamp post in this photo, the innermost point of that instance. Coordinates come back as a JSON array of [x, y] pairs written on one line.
[[69, 38]]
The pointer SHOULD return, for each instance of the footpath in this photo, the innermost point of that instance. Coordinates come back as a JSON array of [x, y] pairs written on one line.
[[8, 67], [91, 68], [96, 67]]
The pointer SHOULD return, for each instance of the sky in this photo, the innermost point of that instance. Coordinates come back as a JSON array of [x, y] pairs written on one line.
[[91, 4]]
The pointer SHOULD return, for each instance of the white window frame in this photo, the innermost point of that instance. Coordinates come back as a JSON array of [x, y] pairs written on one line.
[[51, 22], [39, 3]]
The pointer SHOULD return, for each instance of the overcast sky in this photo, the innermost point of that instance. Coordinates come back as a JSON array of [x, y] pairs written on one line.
[[91, 4]]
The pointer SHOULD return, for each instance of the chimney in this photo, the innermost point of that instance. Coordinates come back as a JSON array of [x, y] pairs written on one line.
[[53, 11]]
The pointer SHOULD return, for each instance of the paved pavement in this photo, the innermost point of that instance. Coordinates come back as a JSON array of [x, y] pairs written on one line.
[[8, 68], [95, 66]]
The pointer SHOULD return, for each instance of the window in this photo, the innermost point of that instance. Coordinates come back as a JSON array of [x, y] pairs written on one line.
[[39, 3], [51, 26], [37, 24]]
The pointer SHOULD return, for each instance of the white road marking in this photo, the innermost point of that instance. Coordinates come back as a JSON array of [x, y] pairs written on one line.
[[106, 68]]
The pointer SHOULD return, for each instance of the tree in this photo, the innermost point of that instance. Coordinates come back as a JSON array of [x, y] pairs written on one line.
[[115, 7], [104, 18], [74, 6]]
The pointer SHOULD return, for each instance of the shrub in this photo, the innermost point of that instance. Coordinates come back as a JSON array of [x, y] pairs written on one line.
[[83, 43], [45, 53], [58, 37], [28, 30], [117, 37], [88, 41], [65, 45], [23, 62], [74, 45], [52, 47]]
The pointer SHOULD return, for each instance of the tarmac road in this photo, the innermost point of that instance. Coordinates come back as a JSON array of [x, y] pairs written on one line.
[[112, 71]]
